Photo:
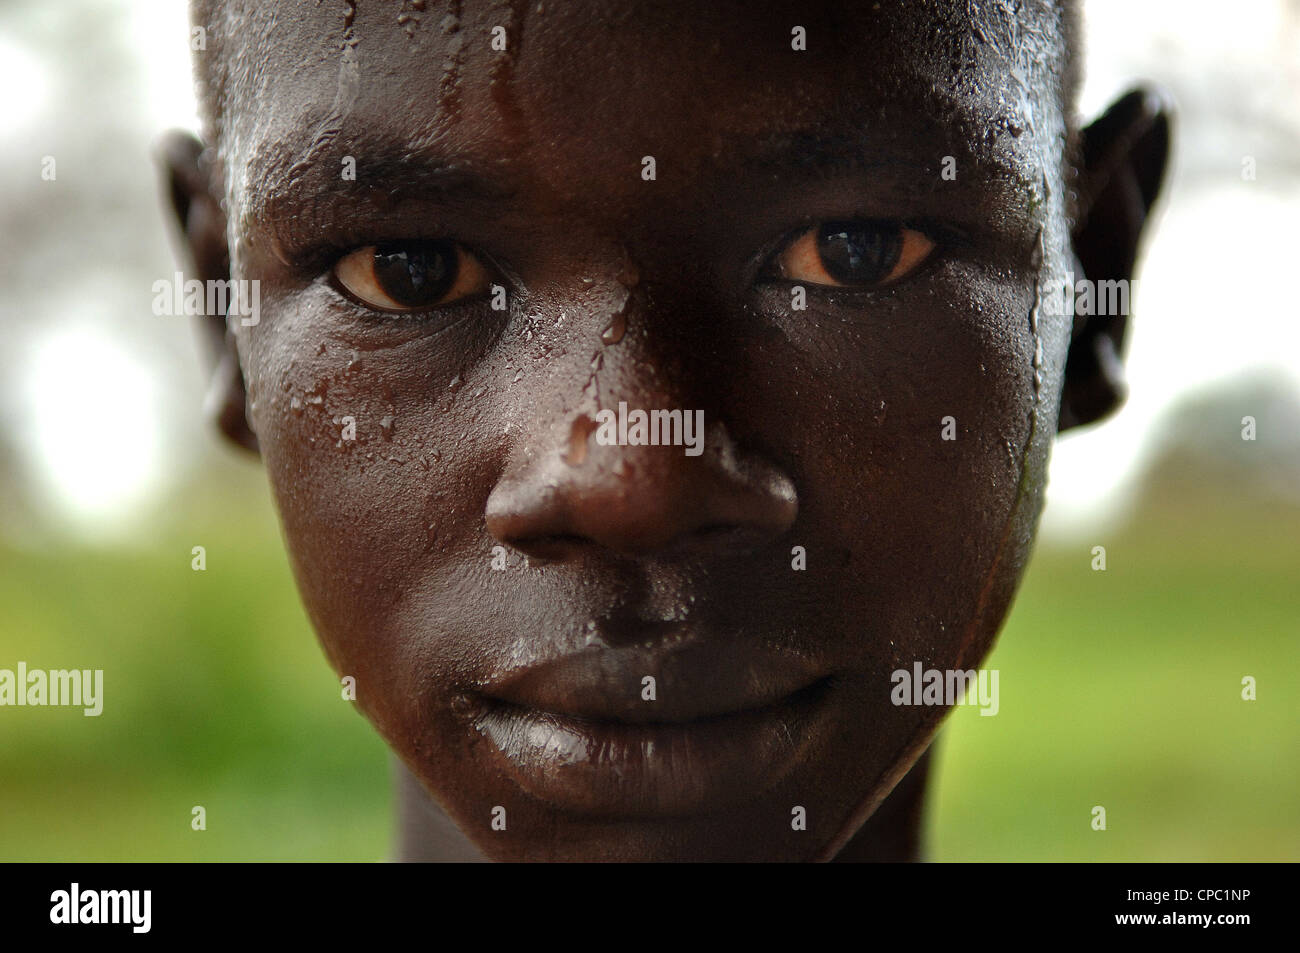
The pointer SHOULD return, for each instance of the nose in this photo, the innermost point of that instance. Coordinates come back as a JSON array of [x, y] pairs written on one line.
[[639, 499]]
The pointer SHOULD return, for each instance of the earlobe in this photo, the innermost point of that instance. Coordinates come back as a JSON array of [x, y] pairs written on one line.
[[1123, 159], [226, 403], [200, 230]]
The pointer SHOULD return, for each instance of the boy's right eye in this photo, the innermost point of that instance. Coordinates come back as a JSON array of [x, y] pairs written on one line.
[[411, 276]]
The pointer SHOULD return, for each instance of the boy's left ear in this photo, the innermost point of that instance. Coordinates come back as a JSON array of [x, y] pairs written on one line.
[[1123, 160], [202, 234]]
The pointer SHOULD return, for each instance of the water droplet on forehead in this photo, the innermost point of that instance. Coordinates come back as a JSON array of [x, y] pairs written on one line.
[[616, 329], [629, 275]]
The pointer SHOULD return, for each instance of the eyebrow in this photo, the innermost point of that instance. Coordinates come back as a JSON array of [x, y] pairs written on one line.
[[822, 151], [304, 197]]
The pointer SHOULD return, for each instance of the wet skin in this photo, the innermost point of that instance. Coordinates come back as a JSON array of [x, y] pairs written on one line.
[[523, 687]]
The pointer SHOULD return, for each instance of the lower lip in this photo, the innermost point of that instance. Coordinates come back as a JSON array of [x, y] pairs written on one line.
[[621, 769]]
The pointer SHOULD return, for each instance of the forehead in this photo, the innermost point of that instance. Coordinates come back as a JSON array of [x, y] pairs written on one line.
[[581, 85]]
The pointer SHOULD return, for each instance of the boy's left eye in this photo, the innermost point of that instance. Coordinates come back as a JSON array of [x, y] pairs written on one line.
[[403, 277], [853, 254]]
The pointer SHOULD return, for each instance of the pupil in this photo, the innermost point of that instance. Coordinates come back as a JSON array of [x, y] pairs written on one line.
[[859, 252], [415, 274]]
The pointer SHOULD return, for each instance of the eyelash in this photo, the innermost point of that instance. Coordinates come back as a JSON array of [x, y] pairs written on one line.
[[946, 237]]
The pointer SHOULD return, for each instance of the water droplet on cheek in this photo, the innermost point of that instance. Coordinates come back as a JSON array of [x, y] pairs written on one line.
[[386, 427], [295, 405]]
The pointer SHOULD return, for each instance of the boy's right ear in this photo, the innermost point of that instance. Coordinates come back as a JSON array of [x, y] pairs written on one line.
[[201, 230]]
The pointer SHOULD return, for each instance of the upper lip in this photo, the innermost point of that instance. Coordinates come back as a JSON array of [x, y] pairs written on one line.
[[694, 678]]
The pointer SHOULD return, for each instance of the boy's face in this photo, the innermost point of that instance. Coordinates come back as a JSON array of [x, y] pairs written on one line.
[[522, 683]]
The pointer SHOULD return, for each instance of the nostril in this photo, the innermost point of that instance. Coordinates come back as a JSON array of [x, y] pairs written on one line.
[[728, 537], [715, 529]]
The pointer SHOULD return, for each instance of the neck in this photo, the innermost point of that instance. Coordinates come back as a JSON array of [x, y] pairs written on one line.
[[892, 833], [425, 834]]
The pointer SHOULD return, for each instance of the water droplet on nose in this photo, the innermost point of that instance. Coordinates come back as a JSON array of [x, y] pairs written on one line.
[[617, 328], [455, 384], [582, 428]]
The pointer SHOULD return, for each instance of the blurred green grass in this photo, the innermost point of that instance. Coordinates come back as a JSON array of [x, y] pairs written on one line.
[[1119, 688], [1123, 689], [216, 694]]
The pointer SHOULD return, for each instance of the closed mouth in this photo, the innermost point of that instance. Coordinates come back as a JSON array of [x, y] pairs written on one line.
[[651, 765]]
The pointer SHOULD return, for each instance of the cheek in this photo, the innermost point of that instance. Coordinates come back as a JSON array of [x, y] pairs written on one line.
[[380, 463], [913, 452]]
